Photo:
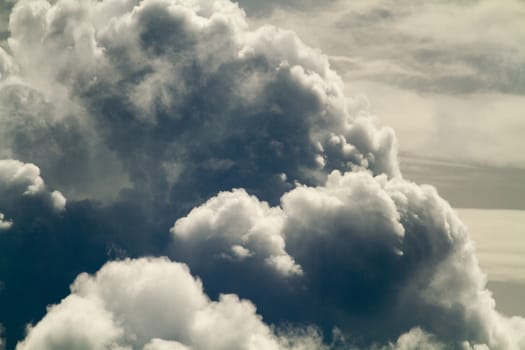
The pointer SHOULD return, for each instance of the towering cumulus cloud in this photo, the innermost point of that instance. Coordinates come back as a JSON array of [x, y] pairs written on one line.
[[287, 197], [183, 97]]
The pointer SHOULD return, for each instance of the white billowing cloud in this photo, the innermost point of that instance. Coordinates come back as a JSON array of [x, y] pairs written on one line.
[[156, 304], [76, 323], [363, 244], [241, 228], [150, 304], [24, 179], [416, 339], [159, 344]]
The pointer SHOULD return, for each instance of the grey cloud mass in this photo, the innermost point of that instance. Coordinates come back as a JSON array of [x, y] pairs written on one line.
[[167, 109], [186, 139]]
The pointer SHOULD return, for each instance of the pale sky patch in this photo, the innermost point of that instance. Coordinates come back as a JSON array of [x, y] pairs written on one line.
[[500, 242]]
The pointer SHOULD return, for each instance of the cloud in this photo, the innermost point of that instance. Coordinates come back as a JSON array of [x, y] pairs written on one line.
[[208, 103], [368, 249], [163, 307], [159, 344], [19, 179], [238, 227], [150, 303], [4, 224], [7, 66], [282, 191], [416, 339]]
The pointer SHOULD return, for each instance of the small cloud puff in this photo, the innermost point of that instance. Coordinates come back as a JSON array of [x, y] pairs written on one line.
[[23, 179], [4, 224]]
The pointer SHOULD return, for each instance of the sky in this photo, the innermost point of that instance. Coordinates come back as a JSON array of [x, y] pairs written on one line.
[[306, 175]]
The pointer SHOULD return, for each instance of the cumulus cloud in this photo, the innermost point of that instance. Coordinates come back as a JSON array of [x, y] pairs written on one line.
[[238, 227], [283, 190], [23, 179], [163, 307], [150, 304], [369, 250], [4, 224]]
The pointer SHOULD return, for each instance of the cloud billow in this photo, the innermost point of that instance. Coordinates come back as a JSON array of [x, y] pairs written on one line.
[[377, 257], [282, 190], [192, 101]]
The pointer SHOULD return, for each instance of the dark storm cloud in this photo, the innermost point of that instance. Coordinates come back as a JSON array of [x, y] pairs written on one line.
[[140, 112], [64, 147]]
